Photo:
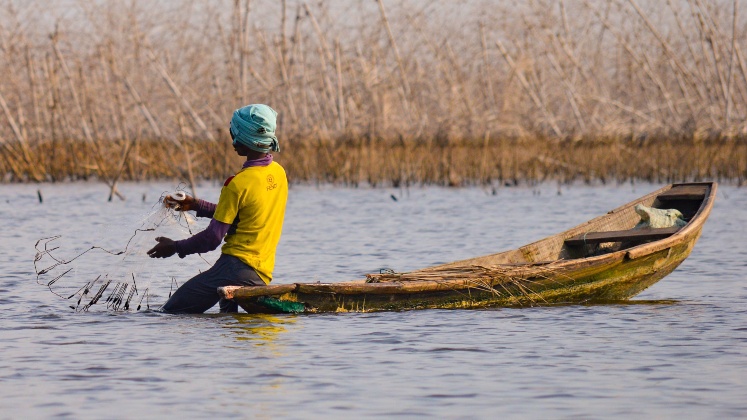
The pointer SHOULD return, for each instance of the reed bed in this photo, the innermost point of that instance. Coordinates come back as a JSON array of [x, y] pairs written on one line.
[[377, 92], [379, 163]]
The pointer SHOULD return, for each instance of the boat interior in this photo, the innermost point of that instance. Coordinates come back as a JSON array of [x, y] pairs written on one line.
[[611, 232]]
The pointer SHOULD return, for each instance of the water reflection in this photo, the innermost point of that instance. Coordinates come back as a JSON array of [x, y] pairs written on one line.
[[262, 330], [644, 302]]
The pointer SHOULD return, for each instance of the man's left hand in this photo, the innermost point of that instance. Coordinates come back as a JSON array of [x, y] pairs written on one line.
[[164, 249]]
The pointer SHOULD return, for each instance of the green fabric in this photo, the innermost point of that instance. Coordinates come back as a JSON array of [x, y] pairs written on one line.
[[254, 127], [283, 306]]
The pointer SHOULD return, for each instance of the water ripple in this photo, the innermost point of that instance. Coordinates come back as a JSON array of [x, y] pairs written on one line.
[[678, 350]]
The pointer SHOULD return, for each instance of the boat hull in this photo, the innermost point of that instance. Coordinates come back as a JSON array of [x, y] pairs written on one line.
[[612, 276]]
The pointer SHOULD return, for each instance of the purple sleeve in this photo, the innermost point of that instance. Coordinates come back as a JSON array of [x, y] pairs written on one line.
[[205, 208], [204, 241]]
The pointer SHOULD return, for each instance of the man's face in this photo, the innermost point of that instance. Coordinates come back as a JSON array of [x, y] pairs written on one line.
[[240, 149]]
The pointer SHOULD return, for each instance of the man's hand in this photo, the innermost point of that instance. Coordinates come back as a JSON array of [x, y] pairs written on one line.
[[180, 201], [164, 249]]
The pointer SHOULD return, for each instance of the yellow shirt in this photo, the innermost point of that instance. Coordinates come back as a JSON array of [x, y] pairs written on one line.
[[253, 203]]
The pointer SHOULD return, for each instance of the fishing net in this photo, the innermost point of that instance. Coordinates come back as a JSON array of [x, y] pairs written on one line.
[[115, 272]]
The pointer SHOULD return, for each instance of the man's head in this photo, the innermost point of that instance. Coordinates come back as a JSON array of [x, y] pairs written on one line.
[[254, 126]]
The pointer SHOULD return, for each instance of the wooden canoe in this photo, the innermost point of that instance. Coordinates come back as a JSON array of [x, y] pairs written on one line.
[[602, 260]]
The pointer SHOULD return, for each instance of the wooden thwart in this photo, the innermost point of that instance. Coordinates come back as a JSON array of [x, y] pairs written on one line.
[[621, 235], [684, 192]]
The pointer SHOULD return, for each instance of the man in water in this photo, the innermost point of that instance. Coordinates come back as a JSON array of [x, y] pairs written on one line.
[[249, 214]]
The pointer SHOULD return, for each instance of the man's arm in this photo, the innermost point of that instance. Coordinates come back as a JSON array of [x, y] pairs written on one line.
[[205, 209], [187, 202], [204, 241]]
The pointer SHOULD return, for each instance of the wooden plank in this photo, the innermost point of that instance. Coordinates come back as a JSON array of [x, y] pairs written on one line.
[[684, 192], [620, 235], [231, 292], [386, 288]]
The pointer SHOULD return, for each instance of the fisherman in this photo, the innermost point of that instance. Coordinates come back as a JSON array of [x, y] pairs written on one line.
[[249, 214]]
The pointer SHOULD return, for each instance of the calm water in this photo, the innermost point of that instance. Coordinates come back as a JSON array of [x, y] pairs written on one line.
[[687, 357]]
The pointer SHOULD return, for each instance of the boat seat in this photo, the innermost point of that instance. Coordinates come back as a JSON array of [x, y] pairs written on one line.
[[685, 198], [637, 235], [684, 192]]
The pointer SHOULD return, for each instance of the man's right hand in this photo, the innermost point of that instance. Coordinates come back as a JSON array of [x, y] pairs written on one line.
[[163, 249], [180, 202]]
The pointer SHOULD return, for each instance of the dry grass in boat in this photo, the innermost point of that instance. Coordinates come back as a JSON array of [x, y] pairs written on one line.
[[515, 281]]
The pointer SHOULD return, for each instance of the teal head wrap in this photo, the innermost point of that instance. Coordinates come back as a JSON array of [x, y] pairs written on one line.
[[254, 127]]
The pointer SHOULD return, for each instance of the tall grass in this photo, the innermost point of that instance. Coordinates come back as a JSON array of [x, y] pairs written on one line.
[[411, 163], [376, 91]]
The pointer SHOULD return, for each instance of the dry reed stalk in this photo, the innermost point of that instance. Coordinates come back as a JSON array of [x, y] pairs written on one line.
[[525, 84], [178, 93], [340, 97], [733, 56], [675, 59], [25, 155], [398, 57], [243, 32]]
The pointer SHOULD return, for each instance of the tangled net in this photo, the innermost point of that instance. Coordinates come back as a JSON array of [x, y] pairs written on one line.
[[117, 288]]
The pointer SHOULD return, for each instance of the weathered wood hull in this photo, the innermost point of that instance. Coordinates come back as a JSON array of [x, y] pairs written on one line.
[[615, 275]]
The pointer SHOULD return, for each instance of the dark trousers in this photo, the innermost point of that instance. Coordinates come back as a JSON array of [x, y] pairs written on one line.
[[200, 293]]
